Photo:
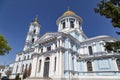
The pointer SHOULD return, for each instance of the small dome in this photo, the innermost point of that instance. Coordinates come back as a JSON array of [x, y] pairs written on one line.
[[68, 13]]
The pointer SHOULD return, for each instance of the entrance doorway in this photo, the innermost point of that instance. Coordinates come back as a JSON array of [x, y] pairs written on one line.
[[46, 67]]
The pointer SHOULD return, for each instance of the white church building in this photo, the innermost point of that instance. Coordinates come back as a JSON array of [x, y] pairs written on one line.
[[66, 54]]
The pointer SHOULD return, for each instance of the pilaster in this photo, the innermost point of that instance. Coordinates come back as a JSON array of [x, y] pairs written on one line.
[[57, 66], [60, 64], [34, 65]]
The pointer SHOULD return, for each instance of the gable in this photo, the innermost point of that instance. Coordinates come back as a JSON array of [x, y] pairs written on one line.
[[47, 36]]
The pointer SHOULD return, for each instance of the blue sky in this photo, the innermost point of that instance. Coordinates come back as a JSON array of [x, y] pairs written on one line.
[[16, 15]]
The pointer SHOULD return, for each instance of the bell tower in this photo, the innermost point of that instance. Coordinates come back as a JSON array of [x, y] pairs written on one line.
[[33, 34]]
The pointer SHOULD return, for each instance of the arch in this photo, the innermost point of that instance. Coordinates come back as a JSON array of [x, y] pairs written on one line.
[[90, 50], [118, 64], [89, 66], [47, 58]]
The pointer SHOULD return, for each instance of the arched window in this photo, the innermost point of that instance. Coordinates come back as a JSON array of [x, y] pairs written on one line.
[[32, 56], [55, 65], [25, 70], [48, 48], [42, 50], [79, 24], [72, 24], [72, 62], [63, 25], [26, 66], [118, 63], [22, 67], [90, 50], [34, 31], [19, 58], [33, 40], [39, 66], [28, 56], [89, 66]]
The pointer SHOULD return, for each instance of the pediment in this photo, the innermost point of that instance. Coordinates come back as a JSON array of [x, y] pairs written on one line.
[[47, 36]]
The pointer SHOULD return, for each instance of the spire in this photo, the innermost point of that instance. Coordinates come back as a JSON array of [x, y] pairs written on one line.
[[68, 5], [36, 19], [68, 8]]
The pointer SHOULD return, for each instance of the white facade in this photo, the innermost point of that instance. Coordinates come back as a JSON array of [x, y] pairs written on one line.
[[66, 54]]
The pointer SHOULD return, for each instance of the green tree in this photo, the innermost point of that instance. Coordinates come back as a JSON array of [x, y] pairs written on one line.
[[113, 46], [111, 10], [4, 47]]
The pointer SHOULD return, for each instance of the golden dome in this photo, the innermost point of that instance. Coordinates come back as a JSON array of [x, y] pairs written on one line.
[[68, 13]]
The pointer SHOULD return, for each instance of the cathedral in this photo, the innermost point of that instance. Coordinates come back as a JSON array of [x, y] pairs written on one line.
[[67, 54]]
